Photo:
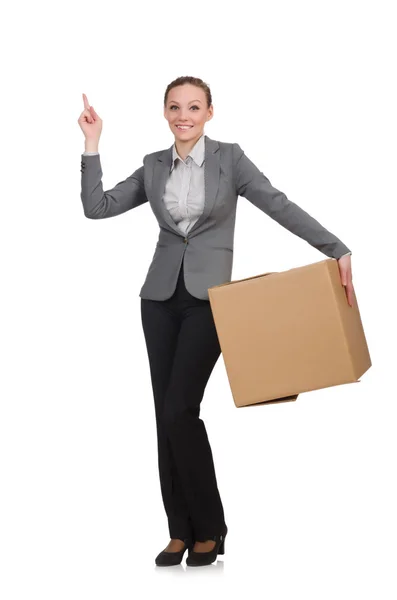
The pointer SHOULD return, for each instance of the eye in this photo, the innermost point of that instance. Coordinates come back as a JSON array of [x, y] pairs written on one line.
[[175, 106]]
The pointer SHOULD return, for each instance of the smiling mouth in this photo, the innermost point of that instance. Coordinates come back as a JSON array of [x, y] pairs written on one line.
[[184, 127]]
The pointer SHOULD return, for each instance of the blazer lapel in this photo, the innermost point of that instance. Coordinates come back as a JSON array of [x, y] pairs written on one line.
[[212, 171]]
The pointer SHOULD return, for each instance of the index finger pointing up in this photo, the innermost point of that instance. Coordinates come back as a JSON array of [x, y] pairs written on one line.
[[86, 103]]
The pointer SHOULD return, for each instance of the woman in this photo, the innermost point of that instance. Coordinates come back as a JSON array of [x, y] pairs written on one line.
[[196, 216]]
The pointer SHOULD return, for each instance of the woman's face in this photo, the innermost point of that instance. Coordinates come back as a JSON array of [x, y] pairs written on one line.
[[187, 104]]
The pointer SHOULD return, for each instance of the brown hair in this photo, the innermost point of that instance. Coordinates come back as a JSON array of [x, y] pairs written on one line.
[[193, 81]]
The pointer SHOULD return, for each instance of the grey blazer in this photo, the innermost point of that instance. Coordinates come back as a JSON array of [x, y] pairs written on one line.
[[207, 250]]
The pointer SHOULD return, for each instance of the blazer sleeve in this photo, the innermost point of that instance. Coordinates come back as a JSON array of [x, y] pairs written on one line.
[[251, 183], [100, 204]]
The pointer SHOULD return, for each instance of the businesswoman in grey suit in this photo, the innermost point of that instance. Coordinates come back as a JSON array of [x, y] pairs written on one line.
[[192, 188]]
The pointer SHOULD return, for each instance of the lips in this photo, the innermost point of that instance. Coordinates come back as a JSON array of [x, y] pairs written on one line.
[[184, 127]]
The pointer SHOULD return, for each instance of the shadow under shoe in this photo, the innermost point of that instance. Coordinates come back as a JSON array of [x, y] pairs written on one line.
[[168, 559], [199, 559]]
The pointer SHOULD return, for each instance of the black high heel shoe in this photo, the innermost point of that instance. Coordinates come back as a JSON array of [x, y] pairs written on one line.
[[168, 559], [199, 559]]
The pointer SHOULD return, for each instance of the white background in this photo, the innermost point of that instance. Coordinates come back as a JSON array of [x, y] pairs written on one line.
[[307, 90]]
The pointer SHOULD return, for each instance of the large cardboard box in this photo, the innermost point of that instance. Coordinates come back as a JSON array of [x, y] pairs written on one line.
[[284, 333]]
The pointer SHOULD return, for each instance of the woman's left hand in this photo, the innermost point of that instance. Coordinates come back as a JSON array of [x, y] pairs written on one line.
[[345, 270]]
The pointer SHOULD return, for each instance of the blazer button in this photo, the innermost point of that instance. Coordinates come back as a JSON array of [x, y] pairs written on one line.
[[185, 240]]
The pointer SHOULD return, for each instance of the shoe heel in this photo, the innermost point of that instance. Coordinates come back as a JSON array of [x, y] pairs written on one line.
[[222, 547]]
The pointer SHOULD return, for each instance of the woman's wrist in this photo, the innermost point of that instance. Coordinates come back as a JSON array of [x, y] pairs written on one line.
[[91, 146]]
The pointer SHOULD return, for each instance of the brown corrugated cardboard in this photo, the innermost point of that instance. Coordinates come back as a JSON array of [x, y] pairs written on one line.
[[289, 332]]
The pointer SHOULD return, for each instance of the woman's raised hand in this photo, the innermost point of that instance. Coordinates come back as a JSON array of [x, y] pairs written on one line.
[[90, 122]]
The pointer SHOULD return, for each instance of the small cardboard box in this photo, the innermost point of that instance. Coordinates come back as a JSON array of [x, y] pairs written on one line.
[[284, 333]]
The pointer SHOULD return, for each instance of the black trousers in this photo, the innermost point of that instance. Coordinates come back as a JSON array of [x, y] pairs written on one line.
[[183, 347]]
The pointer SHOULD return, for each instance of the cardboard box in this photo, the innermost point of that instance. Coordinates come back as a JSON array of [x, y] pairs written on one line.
[[284, 333]]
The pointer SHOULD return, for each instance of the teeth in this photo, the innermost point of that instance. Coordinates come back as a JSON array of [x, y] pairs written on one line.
[[184, 126]]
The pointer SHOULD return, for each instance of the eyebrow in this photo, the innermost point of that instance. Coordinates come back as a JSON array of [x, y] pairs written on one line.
[[189, 102]]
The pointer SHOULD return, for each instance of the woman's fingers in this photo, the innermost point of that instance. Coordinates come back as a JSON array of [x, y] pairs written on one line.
[[87, 112], [89, 116], [86, 116], [345, 271], [86, 103], [89, 121], [349, 291]]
